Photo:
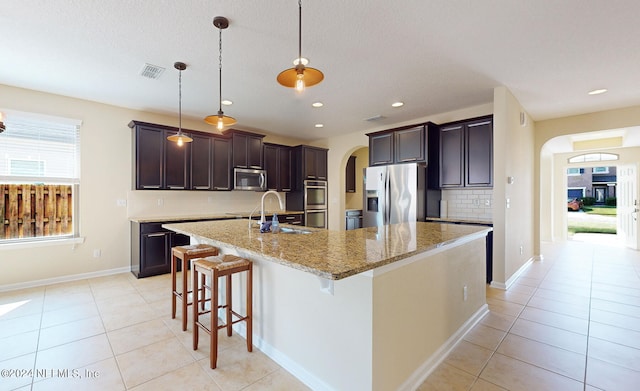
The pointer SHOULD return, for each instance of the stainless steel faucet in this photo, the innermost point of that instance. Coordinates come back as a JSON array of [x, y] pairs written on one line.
[[262, 219]]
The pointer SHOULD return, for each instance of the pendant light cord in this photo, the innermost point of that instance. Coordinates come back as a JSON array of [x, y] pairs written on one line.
[[300, 31], [180, 101], [220, 68]]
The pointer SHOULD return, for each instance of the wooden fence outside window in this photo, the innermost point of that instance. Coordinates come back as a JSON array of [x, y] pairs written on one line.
[[29, 211]]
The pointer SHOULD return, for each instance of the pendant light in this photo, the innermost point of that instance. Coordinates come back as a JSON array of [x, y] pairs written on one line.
[[220, 120], [300, 76], [180, 137]]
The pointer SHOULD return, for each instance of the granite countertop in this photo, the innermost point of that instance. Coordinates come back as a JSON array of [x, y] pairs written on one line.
[[459, 220], [211, 216], [329, 254]]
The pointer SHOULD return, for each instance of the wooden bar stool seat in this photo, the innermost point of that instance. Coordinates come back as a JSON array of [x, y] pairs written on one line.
[[185, 254], [214, 268]]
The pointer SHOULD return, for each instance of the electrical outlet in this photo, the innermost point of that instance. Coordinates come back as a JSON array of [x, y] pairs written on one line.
[[521, 250], [464, 293], [508, 202], [97, 253], [476, 202], [121, 202], [160, 202], [487, 202]]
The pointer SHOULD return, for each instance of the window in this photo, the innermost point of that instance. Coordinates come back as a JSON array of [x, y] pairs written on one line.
[[593, 157], [600, 170], [575, 171], [39, 177]]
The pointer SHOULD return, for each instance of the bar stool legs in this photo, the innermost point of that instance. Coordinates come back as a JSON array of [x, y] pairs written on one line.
[[216, 267], [185, 254]]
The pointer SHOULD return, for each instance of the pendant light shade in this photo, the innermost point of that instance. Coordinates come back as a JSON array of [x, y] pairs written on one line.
[[180, 137], [300, 76], [220, 121]]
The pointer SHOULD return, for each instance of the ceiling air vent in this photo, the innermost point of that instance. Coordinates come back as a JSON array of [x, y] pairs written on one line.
[[151, 71], [375, 118]]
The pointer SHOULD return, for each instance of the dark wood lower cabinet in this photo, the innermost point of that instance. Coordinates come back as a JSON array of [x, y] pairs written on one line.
[[151, 248]]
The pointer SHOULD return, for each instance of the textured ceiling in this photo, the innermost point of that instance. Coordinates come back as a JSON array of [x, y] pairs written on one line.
[[436, 56]]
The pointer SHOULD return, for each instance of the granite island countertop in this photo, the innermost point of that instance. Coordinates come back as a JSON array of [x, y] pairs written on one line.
[[333, 255]]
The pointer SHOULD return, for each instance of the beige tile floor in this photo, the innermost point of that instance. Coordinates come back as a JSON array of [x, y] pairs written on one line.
[[116, 333], [570, 322]]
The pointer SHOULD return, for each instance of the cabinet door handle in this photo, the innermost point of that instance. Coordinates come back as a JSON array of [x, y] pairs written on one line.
[[155, 235], [201, 187], [286, 189], [150, 187], [220, 188], [176, 187]]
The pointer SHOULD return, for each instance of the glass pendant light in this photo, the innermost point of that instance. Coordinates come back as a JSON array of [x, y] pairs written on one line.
[[180, 137], [220, 120], [300, 76]]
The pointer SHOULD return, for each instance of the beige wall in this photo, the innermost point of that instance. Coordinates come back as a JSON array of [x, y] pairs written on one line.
[[105, 178], [546, 228], [513, 239]]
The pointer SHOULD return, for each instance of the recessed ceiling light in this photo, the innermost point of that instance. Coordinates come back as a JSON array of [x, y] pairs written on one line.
[[319, 126], [397, 104], [227, 102], [598, 92], [305, 61], [317, 104]]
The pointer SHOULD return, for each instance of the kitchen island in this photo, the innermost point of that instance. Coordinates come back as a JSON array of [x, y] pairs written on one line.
[[366, 309]]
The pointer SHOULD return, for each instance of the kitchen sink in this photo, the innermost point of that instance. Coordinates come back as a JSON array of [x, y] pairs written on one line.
[[286, 230]]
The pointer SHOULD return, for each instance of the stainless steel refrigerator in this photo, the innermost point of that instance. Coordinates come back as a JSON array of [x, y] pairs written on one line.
[[394, 194]]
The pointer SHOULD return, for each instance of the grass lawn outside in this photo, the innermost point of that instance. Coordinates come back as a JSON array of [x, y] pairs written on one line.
[[593, 219]]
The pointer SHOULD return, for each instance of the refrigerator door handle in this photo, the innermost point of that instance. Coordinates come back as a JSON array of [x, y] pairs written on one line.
[[387, 199]]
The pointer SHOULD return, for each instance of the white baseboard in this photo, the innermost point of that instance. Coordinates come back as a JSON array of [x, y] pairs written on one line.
[[412, 383], [57, 280], [505, 286], [285, 362], [422, 373]]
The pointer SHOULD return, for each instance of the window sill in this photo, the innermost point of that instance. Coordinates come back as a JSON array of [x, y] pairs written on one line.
[[42, 243]]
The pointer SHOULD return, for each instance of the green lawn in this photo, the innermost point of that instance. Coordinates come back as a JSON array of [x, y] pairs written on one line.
[[600, 210]]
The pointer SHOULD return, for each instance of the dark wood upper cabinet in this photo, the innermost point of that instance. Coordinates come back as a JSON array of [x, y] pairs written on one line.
[[350, 175], [479, 154], [148, 161], [176, 164], [451, 155], [284, 168], [159, 163], [277, 163], [201, 162], [380, 149], [308, 163], [466, 153], [221, 157], [409, 145], [247, 149]]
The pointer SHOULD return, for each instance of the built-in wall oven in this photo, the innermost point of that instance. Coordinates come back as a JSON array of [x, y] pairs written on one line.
[[316, 218], [315, 204], [312, 200], [315, 195]]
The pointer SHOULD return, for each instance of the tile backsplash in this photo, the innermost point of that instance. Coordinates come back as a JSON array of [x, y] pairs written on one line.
[[468, 203]]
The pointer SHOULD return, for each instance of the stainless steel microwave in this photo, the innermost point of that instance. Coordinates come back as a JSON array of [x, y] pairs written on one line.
[[249, 179]]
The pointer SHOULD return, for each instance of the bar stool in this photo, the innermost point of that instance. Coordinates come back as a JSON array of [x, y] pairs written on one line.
[[214, 268], [186, 254]]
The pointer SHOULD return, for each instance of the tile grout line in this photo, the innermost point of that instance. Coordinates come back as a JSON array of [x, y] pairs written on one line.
[[586, 355]]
